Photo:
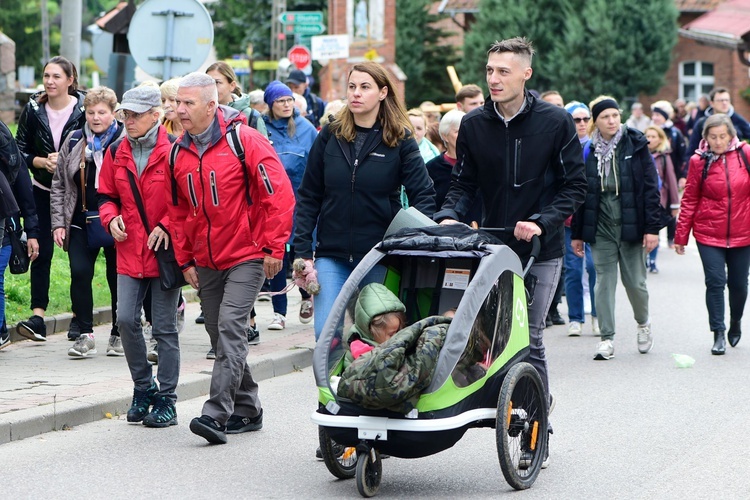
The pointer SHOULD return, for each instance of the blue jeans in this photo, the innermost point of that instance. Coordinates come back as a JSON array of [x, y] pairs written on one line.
[[573, 277], [4, 259], [332, 274], [725, 268]]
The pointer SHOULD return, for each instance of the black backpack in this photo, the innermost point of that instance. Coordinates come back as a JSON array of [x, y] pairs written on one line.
[[10, 157]]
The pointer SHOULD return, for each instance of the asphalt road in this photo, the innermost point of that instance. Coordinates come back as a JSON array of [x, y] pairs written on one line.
[[632, 427]]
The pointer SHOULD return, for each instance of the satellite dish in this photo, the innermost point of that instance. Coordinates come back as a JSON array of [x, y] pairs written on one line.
[[169, 38]]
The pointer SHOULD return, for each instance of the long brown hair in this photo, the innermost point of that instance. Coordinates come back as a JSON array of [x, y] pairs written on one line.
[[291, 128], [69, 69], [228, 73], [391, 115]]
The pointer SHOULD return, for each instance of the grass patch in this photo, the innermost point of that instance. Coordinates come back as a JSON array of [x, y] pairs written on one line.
[[18, 289]]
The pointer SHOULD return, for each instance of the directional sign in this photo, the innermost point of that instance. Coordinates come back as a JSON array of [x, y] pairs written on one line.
[[304, 29], [301, 17]]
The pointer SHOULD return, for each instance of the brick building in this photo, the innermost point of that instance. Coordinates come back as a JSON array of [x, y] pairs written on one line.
[[713, 41]]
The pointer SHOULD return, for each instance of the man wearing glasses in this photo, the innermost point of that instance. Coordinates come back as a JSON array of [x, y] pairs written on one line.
[[721, 102]]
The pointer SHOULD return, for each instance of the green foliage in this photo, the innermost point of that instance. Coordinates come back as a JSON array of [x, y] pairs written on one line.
[[21, 21], [424, 62], [584, 47]]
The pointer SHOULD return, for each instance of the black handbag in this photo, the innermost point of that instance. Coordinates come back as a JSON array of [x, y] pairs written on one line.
[[19, 253], [170, 274], [96, 236]]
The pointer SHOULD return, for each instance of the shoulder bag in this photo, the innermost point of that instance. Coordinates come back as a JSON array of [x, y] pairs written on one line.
[[170, 274], [96, 236]]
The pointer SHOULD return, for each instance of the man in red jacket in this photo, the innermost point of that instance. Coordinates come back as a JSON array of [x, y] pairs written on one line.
[[232, 221]]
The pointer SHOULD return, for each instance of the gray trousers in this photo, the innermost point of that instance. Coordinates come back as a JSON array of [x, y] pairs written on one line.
[[226, 298], [130, 294], [608, 252], [548, 275]]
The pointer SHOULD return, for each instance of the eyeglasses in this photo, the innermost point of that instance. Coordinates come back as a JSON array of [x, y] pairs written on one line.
[[129, 115], [285, 102], [581, 120]]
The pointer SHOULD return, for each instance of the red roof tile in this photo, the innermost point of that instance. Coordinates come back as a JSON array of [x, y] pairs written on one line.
[[730, 21]]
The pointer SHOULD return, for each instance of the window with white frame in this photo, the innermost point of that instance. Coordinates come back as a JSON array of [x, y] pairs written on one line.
[[696, 78]]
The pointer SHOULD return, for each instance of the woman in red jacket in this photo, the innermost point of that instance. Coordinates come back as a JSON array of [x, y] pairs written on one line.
[[142, 158], [715, 207]]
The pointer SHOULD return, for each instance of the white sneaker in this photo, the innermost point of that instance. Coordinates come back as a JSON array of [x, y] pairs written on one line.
[[574, 329], [595, 326], [278, 323], [605, 350], [645, 339], [114, 347], [83, 347]]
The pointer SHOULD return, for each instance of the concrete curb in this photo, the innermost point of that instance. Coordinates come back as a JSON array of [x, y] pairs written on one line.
[[64, 415]]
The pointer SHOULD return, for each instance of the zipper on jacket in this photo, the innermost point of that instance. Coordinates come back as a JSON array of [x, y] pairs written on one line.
[[191, 192], [517, 163], [508, 172], [351, 212], [214, 190], [729, 198], [205, 213]]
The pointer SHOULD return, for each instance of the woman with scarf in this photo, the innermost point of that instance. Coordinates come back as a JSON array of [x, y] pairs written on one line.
[[620, 219], [74, 189], [714, 206]]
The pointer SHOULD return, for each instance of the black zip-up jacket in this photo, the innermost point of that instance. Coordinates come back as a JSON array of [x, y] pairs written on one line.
[[353, 200], [34, 136], [638, 187], [529, 169]]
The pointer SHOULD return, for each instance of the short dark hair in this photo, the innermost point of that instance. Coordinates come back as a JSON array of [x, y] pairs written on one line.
[[520, 46], [468, 91], [718, 90]]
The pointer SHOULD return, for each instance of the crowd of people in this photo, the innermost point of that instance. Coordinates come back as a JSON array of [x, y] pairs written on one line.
[[195, 179]]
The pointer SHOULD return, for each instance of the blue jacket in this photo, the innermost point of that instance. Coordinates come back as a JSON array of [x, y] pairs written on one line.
[[292, 151]]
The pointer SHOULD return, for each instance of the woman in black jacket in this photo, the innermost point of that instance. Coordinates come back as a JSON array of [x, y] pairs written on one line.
[[350, 189], [620, 218], [45, 121]]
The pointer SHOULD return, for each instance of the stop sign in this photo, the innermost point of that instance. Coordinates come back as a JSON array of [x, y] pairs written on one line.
[[300, 56]]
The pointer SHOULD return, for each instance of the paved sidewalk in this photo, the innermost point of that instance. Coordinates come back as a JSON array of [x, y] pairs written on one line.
[[43, 389]]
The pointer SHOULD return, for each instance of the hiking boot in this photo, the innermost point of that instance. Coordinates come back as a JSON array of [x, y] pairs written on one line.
[[645, 339], [237, 424], [33, 329], [605, 350], [153, 353], [83, 347], [211, 354], [74, 330], [574, 329], [4, 337], [163, 414], [253, 335], [209, 429], [306, 311], [556, 318], [141, 401], [278, 323], [114, 347]]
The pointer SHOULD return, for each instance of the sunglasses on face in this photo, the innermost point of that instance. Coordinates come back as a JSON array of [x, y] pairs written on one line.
[[581, 120]]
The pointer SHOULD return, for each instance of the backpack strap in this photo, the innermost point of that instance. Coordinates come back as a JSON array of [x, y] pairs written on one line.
[[742, 153], [113, 147], [76, 136], [235, 144], [253, 122], [172, 159]]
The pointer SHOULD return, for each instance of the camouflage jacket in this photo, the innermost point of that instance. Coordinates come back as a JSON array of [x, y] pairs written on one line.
[[393, 375]]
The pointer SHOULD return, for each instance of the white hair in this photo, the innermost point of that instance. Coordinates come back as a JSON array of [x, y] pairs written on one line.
[[451, 120], [256, 96], [203, 81]]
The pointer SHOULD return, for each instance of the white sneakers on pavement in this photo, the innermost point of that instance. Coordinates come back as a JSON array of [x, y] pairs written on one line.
[[645, 339], [574, 329], [83, 347], [595, 326], [278, 323], [605, 350]]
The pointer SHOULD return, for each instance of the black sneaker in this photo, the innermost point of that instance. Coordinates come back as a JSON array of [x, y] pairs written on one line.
[[200, 319], [33, 329], [4, 337], [74, 331], [253, 335], [163, 414], [556, 318], [141, 402], [237, 424], [209, 429]]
